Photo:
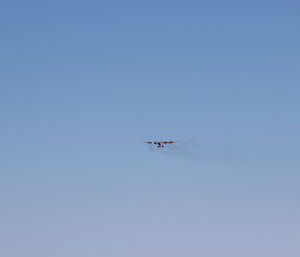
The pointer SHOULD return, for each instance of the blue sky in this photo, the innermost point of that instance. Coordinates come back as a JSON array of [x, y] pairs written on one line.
[[82, 83]]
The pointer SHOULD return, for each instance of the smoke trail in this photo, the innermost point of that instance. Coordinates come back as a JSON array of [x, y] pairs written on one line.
[[195, 151]]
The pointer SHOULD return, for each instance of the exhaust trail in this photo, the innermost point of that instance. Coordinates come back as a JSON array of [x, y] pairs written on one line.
[[195, 151]]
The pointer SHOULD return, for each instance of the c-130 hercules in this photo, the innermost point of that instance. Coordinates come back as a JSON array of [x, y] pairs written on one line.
[[160, 143]]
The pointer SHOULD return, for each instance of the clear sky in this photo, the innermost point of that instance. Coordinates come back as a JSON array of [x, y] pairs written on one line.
[[82, 83]]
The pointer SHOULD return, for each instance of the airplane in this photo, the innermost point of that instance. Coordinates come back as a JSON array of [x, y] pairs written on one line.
[[160, 143]]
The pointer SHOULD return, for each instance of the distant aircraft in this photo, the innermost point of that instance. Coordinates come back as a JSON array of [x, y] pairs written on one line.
[[160, 143]]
